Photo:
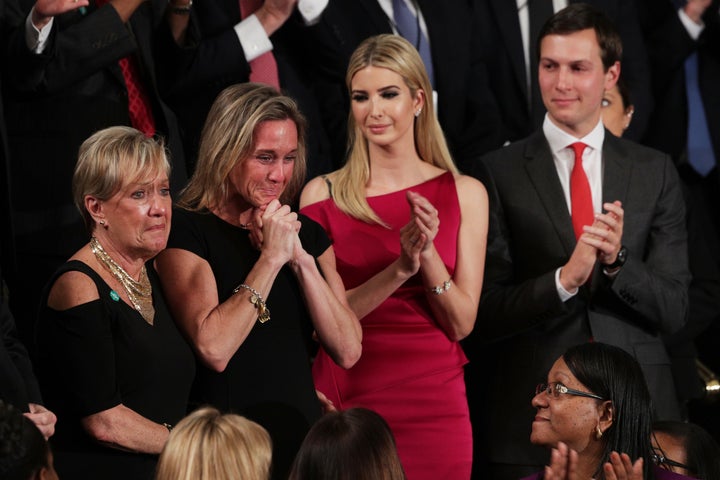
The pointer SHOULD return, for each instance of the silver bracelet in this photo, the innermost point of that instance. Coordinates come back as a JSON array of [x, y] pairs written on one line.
[[257, 301], [440, 289]]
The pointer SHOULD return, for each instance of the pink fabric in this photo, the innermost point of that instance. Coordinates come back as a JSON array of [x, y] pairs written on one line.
[[263, 69], [409, 372]]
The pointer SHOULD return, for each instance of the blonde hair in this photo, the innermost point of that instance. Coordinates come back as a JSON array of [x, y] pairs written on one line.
[[228, 138], [208, 445], [398, 55], [112, 158]]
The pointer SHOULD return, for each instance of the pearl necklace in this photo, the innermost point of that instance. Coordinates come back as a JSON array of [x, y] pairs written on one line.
[[139, 292]]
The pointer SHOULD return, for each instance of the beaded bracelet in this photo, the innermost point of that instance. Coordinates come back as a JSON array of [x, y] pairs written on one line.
[[440, 289], [257, 301]]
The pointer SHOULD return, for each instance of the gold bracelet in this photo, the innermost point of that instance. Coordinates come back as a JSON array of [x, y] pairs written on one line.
[[440, 289], [257, 301], [180, 9]]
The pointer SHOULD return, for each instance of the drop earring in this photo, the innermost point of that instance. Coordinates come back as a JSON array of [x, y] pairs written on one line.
[[598, 432]]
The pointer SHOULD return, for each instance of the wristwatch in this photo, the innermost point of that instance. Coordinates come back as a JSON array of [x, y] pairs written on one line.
[[619, 260]]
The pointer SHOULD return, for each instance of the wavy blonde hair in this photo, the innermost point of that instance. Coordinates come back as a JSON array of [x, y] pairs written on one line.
[[398, 55], [207, 445], [228, 138]]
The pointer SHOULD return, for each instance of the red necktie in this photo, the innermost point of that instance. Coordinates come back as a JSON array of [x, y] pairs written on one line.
[[263, 69], [139, 107], [580, 196]]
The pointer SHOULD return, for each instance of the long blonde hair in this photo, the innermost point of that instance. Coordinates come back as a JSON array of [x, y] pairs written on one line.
[[207, 445], [398, 55], [228, 138]]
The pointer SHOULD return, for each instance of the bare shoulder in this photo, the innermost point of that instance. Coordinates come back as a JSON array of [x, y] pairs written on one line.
[[71, 289], [316, 190], [470, 190]]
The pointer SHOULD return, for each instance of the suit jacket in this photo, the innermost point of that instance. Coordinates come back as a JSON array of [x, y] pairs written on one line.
[[669, 45], [212, 59], [58, 99], [523, 326], [467, 113], [500, 31]]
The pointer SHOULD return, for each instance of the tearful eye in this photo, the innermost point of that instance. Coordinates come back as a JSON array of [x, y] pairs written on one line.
[[165, 192], [138, 194]]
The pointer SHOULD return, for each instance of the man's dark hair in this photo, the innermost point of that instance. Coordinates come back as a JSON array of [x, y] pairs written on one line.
[[581, 16]]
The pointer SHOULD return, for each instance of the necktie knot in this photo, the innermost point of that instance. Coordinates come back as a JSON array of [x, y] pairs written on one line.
[[578, 148]]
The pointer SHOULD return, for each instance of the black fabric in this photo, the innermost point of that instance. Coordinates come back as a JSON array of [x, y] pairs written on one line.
[[268, 379], [101, 354]]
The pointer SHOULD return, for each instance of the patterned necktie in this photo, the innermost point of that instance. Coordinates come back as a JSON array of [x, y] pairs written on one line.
[[263, 69], [580, 196], [408, 26], [139, 106], [699, 146]]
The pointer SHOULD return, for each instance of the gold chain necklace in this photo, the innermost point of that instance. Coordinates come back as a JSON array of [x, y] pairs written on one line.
[[139, 292]]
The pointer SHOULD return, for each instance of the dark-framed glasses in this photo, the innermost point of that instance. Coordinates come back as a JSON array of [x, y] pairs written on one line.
[[659, 459], [555, 389]]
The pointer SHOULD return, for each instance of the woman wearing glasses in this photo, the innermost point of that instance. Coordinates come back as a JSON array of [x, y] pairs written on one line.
[[594, 413], [686, 448]]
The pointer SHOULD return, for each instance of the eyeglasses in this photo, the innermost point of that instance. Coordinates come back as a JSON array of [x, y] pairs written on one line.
[[555, 389], [665, 463]]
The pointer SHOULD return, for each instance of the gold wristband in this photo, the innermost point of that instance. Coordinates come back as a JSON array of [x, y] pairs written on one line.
[[257, 301]]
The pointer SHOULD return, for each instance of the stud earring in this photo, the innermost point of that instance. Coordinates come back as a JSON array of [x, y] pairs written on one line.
[[102, 222], [417, 113]]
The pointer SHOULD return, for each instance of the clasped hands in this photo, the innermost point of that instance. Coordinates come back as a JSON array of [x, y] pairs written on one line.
[[417, 236], [564, 466], [275, 231], [600, 241]]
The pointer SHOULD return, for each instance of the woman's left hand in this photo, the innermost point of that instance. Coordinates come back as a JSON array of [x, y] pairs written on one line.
[[563, 464], [620, 467], [425, 216]]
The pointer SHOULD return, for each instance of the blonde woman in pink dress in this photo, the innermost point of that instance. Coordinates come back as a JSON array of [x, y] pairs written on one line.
[[409, 233]]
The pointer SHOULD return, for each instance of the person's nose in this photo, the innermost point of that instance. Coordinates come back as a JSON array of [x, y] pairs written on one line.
[[158, 204], [376, 110], [564, 79], [539, 400], [277, 172]]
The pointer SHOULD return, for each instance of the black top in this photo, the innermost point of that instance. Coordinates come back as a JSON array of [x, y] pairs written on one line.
[[101, 354], [268, 379]]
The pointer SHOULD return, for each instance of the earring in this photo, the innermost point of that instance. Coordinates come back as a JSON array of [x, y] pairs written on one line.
[[598, 432], [102, 222], [417, 113]]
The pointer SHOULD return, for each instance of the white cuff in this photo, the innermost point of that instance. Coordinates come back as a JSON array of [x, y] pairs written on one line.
[[311, 10], [693, 29], [253, 38], [35, 39], [562, 293]]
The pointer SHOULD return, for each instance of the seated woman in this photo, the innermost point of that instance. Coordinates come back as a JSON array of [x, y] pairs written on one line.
[[594, 413], [686, 448], [353, 444], [112, 363], [209, 445], [248, 279]]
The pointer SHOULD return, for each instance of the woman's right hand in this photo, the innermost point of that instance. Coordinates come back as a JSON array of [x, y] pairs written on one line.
[[412, 241], [280, 227]]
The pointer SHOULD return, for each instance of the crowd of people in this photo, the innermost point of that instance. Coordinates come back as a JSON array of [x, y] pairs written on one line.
[[346, 239]]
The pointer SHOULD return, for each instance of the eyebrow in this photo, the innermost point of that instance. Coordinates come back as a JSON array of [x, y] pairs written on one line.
[[381, 89]]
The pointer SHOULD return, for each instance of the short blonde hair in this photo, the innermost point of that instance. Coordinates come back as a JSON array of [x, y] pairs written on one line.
[[208, 445], [400, 56], [228, 137], [112, 158]]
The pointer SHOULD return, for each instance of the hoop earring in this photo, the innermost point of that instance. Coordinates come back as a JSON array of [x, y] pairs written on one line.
[[598, 432]]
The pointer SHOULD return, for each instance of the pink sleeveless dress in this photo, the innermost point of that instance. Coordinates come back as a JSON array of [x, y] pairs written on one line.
[[409, 372]]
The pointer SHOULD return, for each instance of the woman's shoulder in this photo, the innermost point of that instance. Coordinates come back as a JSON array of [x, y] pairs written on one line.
[[469, 188], [74, 286], [316, 190]]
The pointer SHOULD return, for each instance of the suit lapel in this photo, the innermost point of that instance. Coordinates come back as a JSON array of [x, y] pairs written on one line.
[[543, 175], [616, 170]]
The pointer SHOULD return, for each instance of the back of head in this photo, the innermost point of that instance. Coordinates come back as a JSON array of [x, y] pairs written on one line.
[[23, 450], [228, 137], [702, 451], [581, 16], [354, 444], [614, 374], [207, 445]]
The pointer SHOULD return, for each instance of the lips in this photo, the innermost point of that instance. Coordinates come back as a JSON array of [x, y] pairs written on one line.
[[377, 129]]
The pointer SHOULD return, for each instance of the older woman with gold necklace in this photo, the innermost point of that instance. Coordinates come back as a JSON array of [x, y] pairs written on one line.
[[111, 361]]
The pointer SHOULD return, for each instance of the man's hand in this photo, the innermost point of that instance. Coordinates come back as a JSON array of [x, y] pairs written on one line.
[[606, 233], [45, 10], [43, 419]]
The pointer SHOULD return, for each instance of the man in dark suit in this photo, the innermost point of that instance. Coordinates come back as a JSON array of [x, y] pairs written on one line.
[[58, 96], [554, 278], [511, 79], [467, 113], [681, 36]]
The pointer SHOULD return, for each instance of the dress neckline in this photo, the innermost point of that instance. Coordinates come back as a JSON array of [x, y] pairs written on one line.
[[417, 185]]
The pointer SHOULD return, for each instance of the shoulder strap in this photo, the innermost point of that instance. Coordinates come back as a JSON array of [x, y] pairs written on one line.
[[329, 185]]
